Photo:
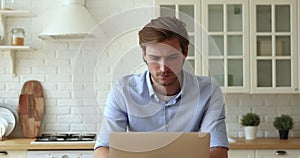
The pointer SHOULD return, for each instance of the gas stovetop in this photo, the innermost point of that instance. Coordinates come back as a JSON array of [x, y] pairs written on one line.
[[65, 137]]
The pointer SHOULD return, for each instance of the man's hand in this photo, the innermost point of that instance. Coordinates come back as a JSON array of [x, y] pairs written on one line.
[[218, 153], [101, 152]]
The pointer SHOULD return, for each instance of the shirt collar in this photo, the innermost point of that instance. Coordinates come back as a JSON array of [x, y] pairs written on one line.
[[149, 85]]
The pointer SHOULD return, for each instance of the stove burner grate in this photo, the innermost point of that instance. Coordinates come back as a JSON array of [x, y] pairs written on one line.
[[66, 137]]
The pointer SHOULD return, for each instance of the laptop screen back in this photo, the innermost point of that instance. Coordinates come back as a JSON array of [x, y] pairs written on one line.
[[159, 145]]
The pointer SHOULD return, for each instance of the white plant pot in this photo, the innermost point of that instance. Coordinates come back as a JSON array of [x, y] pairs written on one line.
[[250, 132]]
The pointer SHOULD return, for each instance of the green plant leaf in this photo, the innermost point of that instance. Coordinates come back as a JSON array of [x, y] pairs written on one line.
[[283, 122], [250, 119]]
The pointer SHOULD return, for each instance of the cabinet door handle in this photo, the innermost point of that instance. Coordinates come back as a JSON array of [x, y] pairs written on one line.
[[280, 152], [2, 153]]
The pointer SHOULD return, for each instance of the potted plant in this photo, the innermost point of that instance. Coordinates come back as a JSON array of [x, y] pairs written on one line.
[[250, 121], [283, 123]]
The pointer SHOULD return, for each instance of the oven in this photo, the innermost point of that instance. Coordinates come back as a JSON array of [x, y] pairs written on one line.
[[60, 154], [63, 138]]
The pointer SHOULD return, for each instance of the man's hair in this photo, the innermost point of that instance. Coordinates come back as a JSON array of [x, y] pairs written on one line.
[[164, 28]]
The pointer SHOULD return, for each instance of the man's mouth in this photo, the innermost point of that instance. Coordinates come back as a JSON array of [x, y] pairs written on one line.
[[163, 74]]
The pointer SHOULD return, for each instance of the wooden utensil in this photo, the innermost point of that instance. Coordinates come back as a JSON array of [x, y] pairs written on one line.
[[33, 87], [26, 115], [31, 108]]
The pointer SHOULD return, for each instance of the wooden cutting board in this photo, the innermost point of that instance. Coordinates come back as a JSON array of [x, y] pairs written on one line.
[[31, 108]]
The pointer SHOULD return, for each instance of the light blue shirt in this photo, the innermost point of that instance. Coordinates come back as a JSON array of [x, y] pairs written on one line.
[[132, 105]]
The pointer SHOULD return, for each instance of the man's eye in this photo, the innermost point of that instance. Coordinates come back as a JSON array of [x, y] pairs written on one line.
[[173, 57], [154, 58]]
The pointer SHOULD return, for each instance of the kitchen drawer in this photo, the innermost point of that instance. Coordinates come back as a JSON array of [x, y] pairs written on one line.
[[278, 153], [13, 153], [241, 153]]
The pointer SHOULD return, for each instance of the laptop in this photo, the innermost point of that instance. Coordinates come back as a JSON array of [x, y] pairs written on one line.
[[159, 145]]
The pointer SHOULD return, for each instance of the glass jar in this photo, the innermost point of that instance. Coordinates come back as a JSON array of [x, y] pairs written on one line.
[[7, 4], [17, 36]]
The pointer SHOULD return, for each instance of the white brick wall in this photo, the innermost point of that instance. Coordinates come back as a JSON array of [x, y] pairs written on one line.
[[77, 106], [267, 106]]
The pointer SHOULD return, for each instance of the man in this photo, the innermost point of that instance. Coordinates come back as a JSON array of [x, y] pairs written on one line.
[[165, 98]]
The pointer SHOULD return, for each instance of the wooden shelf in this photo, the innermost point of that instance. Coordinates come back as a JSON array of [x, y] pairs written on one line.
[[15, 48], [12, 54], [16, 13], [12, 49], [4, 14]]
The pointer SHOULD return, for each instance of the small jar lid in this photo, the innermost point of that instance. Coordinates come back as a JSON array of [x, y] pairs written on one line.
[[15, 30]]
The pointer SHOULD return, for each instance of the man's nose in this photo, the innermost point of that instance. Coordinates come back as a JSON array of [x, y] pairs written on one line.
[[163, 66]]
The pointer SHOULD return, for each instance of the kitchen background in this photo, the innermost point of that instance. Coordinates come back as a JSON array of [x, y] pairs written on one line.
[[71, 106]]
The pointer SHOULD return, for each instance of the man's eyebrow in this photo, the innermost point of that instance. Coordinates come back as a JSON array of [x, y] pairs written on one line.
[[175, 54], [152, 55]]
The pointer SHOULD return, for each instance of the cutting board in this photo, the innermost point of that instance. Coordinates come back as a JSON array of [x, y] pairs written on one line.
[[31, 108]]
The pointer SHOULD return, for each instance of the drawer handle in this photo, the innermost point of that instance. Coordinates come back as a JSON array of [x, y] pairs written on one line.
[[3, 153], [281, 152]]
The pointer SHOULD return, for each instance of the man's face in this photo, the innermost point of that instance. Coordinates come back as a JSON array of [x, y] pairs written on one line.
[[165, 61]]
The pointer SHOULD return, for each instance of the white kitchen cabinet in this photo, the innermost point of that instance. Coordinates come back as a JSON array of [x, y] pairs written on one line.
[[13, 154], [189, 12], [226, 43], [273, 38], [241, 153], [249, 46], [11, 50], [298, 45], [280, 153], [264, 153]]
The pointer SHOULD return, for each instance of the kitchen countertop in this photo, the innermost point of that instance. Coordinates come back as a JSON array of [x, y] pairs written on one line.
[[259, 143], [265, 143], [25, 144]]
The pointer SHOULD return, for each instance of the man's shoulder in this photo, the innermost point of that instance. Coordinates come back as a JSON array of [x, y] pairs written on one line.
[[200, 79], [132, 79], [131, 84]]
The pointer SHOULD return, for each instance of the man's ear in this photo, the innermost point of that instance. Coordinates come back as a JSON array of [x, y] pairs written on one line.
[[185, 52], [144, 55]]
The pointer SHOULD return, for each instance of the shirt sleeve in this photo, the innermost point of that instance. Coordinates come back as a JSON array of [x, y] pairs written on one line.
[[114, 118], [214, 118]]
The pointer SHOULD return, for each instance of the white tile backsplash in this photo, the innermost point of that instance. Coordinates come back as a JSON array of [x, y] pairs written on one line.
[[73, 106], [267, 106]]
